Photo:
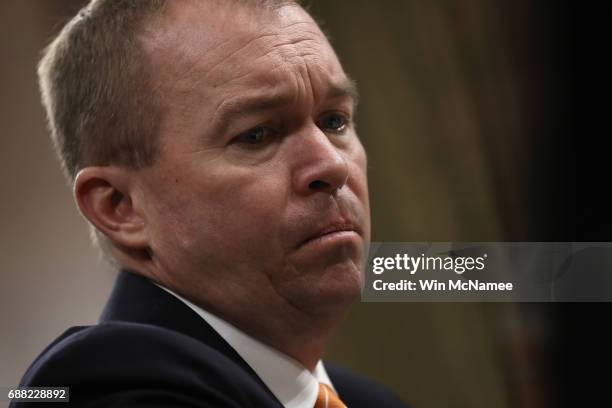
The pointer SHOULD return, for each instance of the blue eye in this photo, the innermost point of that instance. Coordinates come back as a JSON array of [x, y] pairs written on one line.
[[334, 122]]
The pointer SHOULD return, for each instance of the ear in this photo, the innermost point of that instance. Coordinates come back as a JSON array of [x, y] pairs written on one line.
[[105, 196]]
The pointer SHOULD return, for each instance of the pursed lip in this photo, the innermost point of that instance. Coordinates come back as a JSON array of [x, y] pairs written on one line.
[[331, 228]]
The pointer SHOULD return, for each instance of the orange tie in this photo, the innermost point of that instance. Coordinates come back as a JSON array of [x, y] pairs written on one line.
[[327, 398]]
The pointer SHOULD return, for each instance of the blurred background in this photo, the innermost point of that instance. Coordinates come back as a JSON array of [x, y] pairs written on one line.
[[466, 113]]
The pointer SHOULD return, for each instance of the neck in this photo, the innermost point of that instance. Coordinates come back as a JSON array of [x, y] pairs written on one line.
[[301, 332], [300, 336]]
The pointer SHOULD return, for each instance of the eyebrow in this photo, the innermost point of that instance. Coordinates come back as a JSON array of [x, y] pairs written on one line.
[[346, 88]]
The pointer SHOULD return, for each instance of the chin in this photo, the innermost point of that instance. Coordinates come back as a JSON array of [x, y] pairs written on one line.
[[332, 289]]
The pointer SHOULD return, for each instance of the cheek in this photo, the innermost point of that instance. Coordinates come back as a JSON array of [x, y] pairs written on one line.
[[230, 216], [358, 184], [358, 178]]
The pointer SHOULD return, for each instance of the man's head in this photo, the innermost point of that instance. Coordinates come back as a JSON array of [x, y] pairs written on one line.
[[232, 172]]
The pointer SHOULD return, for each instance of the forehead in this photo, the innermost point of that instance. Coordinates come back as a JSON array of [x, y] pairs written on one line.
[[204, 46]]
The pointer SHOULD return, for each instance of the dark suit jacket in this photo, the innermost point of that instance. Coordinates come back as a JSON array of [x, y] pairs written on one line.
[[151, 350]]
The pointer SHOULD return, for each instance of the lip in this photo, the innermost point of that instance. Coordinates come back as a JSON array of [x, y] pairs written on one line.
[[332, 232]]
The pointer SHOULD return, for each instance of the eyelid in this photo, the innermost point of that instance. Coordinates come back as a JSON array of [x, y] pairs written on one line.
[[346, 117], [269, 135], [347, 114]]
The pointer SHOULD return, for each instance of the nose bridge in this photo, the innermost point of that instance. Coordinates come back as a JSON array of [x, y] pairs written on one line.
[[320, 166]]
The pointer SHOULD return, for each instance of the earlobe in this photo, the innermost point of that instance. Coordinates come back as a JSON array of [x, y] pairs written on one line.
[[105, 197]]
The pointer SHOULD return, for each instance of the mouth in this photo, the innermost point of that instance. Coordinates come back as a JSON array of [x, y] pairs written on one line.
[[332, 234]]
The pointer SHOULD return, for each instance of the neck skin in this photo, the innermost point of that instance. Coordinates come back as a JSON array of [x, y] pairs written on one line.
[[300, 334]]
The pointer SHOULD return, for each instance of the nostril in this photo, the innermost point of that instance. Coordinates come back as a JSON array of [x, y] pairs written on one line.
[[318, 185]]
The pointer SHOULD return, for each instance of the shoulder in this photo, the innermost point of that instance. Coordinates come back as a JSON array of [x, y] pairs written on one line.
[[356, 390], [136, 363]]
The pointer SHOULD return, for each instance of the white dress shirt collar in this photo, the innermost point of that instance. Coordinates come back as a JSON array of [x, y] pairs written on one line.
[[290, 382]]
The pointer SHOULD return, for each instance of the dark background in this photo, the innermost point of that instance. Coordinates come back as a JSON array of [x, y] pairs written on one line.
[[469, 113]]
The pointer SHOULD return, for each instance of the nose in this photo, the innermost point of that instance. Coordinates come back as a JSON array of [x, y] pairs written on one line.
[[321, 166]]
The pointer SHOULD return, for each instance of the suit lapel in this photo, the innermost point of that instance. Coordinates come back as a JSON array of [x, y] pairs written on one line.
[[136, 299]]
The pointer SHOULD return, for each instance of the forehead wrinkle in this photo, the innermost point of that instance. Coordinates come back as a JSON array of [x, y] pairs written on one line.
[[261, 102], [191, 42], [301, 53], [223, 60], [190, 70], [277, 46], [325, 85], [194, 65], [285, 44], [294, 71], [245, 105], [315, 31], [280, 56]]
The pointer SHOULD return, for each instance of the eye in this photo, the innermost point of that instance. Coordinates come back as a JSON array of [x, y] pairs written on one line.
[[255, 137], [334, 122]]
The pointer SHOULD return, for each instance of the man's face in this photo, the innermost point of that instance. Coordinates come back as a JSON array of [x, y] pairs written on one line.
[[259, 196]]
